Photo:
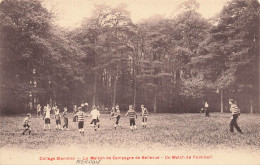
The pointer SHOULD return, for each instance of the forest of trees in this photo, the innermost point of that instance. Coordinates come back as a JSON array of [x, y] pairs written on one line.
[[168, 64]]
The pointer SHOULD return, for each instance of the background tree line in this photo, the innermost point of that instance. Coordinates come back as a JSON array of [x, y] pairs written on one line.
[[168, 64]]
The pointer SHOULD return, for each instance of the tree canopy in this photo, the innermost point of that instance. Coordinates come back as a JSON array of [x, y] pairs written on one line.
[[168, 64]]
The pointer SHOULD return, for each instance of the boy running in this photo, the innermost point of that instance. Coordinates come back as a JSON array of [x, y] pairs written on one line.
[[95, 115], [144, 116], [132, 114], [235, 113], [57, 117], [26, 124], [117, 116], [47, 117], [80, 114], [66, 120]]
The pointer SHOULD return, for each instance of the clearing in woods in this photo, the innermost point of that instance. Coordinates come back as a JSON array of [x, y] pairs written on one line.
[[164, 132]]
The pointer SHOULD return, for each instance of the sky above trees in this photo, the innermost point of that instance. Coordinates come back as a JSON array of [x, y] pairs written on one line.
[[70, 13]]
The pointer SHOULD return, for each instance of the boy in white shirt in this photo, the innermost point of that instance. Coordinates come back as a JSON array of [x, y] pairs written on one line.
[[144, 116], [95, 115], [81, 119], [206, 109], [47, 117], [117, 116]]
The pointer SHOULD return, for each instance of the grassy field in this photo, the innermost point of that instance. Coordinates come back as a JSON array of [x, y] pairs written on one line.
[[164, 132]]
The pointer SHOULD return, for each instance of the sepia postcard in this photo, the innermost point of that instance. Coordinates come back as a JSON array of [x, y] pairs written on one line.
[[122, 82]]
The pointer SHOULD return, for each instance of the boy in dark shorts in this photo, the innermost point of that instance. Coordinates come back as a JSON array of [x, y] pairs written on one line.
[[80, 115], [132, 114], [66, 120], [206, 109], [95, 117], [117, 116], [144, 116], [57, 117], [47, 117], [26, 124], [235, 113]]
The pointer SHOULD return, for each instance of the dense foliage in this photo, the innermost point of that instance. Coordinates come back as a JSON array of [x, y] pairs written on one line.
[[168, 64]]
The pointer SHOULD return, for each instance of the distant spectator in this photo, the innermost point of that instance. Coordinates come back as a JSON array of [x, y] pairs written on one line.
[[39, 110], [206, 108], [201, 110]]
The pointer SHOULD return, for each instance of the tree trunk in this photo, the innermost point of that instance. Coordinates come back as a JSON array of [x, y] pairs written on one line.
[[95, 79], [258, 55], [115, 82], [135, 92], [251, 106], [221, 96], [221, 101], [175, 93], [134, 75], [95, 89], [155, 100]]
